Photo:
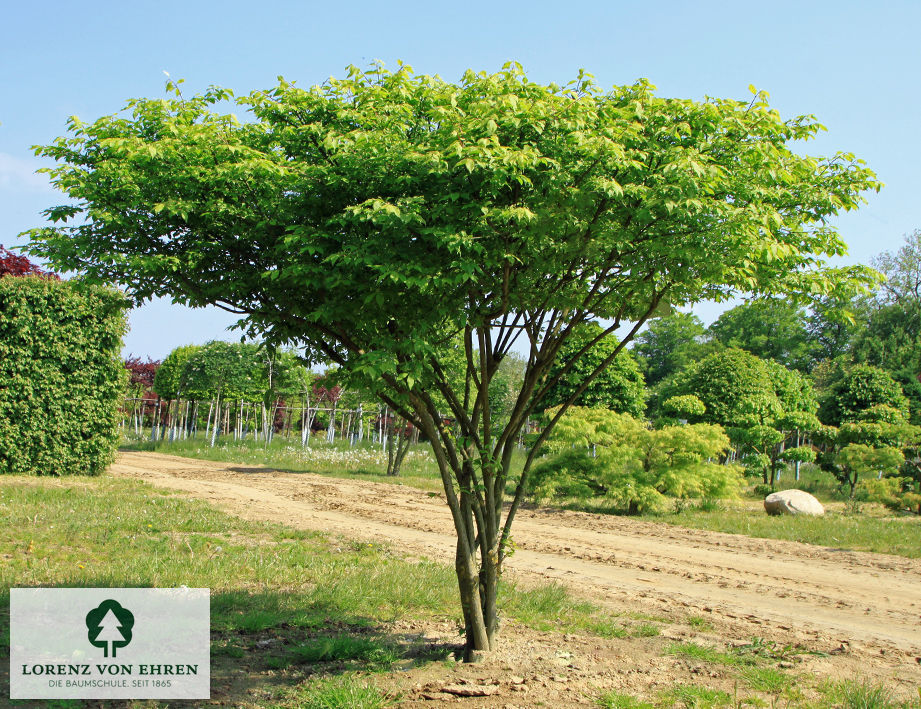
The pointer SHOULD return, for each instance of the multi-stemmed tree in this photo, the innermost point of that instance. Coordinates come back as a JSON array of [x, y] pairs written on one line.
[[380, 218]]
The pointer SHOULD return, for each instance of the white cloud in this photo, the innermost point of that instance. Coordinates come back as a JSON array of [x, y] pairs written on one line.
[[18, 175]]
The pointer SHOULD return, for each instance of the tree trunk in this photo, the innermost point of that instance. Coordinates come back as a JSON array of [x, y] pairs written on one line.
[[397, 447], [217, 419], [479, 621]]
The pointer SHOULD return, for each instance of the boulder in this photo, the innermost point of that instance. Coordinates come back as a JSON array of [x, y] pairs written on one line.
[[792, 502]]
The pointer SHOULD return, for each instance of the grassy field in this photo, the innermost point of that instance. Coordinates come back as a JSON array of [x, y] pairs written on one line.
[[300, 619], [871, 528], [293, 613]]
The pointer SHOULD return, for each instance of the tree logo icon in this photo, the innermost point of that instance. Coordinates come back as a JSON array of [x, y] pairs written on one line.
[[109, 626]]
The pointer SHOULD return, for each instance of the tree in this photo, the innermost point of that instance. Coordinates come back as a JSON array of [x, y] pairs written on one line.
[[859, 389], [168, 382], [832, 326], [224, 371], [857, 459], [669, 344], [141, 375], [618, 386], [14, 265], [902, 270], [734, 386], [229, 370], [891, 339], [769, 329], [765, 407], [632, 466], [377, 218]]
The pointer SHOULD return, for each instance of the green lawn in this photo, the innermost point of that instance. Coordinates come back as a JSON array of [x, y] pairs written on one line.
[[288, 608]]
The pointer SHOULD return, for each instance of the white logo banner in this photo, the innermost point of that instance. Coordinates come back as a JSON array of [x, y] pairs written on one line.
[[110, 643]]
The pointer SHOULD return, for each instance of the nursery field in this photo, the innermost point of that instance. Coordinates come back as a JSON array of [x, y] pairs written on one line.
[[333, 592], [688, 597], [858, 526]]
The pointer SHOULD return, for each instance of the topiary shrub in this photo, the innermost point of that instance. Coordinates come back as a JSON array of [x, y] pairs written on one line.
[[61, 376], [634, 468], [572, 473]]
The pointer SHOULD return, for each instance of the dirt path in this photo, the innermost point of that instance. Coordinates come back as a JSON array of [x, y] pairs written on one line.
[[866, 603]]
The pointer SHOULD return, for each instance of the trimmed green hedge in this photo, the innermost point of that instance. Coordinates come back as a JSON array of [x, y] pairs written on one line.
[[61, 375]]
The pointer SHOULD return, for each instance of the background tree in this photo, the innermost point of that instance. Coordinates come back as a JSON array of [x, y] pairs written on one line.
[[833, 324], [669, 344], [169, 381], [902, 270], [858, 389], [15, 265], [769, 329], [224, 372], [618, 387], [766, 408], [734, 386], [230, 370], [377, 218], [857, 459], [891, 338], [874, 442], [141, 376], [791, 428]]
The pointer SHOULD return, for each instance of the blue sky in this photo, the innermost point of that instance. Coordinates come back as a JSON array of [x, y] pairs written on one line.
[[855, 65]]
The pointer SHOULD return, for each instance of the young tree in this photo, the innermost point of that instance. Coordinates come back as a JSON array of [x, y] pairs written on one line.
[[858, 389], [169, 381], [224, 372], [632, 466], [765, 407], [141, 375], [734, 386], [377, 218]]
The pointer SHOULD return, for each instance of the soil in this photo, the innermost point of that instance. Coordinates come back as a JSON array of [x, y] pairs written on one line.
[[827, 613]]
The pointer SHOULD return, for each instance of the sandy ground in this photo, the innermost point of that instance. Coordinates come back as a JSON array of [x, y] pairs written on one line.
[[862, 610]]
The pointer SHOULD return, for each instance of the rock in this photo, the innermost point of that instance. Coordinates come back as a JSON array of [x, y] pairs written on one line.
[[792, 502], [470, 690]]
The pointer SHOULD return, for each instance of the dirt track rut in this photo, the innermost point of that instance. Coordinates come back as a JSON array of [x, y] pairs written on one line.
[[768, 587]]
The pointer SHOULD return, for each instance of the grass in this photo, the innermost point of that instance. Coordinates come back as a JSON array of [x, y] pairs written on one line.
[[694, 696], [617, 700], [886, 535], [769, 680], [702, 653], [285, 604], [699, 623], [863, 694], [847, 694], [343, 692]]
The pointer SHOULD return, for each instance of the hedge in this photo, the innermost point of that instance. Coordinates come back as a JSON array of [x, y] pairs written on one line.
[[61, 375]]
